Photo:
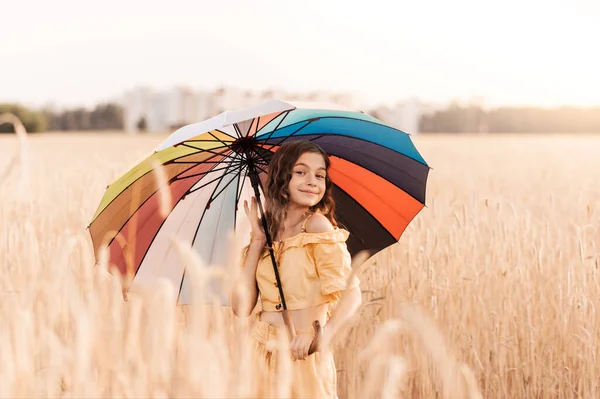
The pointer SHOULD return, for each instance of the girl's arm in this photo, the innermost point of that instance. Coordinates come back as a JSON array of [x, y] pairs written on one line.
[[245, 288], [348, 305], [351, 297]]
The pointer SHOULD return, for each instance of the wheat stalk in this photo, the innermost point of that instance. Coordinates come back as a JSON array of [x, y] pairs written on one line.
[[20, 159]]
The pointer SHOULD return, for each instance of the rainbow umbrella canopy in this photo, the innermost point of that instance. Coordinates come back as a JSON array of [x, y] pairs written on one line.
[[379, 184]]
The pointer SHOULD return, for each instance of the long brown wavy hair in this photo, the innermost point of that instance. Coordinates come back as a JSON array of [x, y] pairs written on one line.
[[277, 194]]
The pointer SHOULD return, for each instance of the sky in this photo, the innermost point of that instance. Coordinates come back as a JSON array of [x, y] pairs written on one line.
[[510, 52]]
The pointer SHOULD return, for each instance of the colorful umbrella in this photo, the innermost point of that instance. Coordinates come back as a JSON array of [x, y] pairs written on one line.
[[379, 181]]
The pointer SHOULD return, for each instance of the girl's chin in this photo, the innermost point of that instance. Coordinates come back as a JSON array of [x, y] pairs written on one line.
[[307, 204]]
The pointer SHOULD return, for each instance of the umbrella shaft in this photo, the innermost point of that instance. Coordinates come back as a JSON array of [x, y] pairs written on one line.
[[254, 179]]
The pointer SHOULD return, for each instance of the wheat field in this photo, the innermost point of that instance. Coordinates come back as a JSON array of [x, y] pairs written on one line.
[[491, 292]]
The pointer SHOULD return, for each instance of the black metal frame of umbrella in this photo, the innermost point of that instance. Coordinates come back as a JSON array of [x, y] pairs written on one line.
[[254, 179]]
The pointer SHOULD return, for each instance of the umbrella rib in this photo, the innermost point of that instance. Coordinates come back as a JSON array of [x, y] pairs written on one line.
[[260, 166], [227, 134], [212, 168], [194, 162], [261, 169], [207, 141], [290, 135], [237, 174], [259, 157], [203, 173], [318, 137], [261, 162], [200, 150], [214, 154], [218, 139], [180, 286], [237, 130], [278, 124], [239, 193], [250, 127], [205, 207], [206, 184], [276, 127], [264, 161]]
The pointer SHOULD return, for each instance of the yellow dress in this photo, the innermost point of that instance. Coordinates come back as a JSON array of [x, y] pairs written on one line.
[[314, 269]]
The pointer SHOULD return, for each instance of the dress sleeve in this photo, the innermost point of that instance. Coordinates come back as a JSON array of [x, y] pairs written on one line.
[[334, 263]]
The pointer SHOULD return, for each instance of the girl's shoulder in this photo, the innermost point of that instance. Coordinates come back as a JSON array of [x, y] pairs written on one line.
[[334, 236], [317, 229], [317, 223]]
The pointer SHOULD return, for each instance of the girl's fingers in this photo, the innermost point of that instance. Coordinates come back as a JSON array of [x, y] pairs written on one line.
[[301, 353], [305, 352], [298, 349], [293, 348]]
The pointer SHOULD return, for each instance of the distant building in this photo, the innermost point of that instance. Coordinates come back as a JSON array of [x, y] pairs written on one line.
[[165, 111], [404, 116], [137, 104], [206, 106], [181, 108]]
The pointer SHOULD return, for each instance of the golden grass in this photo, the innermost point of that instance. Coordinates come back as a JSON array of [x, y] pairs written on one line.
[[492, 291]]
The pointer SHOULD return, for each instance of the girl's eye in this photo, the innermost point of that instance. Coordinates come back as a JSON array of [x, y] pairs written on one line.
[[320, 176], [299, 172]]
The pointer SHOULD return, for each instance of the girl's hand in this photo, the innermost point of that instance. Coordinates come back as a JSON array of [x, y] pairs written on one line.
[[299, 346], [255, 222]]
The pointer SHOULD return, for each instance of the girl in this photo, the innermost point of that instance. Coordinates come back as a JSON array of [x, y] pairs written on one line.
[[313, 263]]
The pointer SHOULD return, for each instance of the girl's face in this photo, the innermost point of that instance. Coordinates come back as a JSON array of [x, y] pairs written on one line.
[[307, 185]]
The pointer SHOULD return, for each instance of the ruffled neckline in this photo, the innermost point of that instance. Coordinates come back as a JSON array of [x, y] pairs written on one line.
[[300, 239], [337, 235]]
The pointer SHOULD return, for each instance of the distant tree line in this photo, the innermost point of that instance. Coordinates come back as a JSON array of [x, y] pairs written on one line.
[[453, 119], [469, 119], [102, 117], [33, 121]]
